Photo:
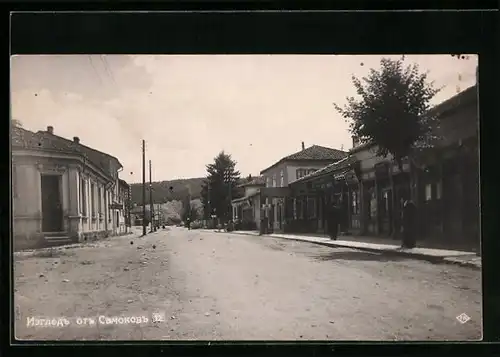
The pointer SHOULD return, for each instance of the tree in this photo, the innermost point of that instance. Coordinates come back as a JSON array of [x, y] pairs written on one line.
[[16, 123], [393, 111], [219, 187]]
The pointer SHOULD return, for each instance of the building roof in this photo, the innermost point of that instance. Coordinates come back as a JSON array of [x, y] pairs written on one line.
[[256, 181], [312, 153], [327, 170], [46, 141], [467, 96], [123, 183], [241, 199]]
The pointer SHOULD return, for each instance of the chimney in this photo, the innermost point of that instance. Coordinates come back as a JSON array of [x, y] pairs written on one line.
[[303, 146], [76, 140], [50, 129], [355, 141]]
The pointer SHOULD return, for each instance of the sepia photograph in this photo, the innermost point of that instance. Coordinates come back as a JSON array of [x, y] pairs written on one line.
[[246, 197]]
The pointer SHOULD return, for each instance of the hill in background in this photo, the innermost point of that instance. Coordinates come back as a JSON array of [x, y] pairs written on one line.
[[162, 193]]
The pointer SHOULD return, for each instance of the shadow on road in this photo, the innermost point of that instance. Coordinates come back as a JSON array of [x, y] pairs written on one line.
[[359, 256]]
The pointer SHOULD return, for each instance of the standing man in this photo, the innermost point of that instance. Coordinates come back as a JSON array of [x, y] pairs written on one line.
[[409, 225], [333, 221]]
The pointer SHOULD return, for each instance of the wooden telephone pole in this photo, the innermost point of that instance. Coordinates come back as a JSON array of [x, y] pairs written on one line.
[[151, 199], [144, 188]]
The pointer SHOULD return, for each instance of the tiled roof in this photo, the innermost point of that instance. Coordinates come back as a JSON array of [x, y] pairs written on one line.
[[317, 152], [329, 169], [123, 183], [466, 96], [313, 153], [257, 181], [241, 199], [43, 140]]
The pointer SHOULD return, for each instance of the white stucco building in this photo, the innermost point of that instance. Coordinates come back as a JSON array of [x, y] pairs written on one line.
[[63, 191]]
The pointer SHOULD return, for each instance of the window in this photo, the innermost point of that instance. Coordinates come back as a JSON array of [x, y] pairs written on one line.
[[282, 179], [373, 205], [311, 171], [428, 192], [311, 207], [99, 198], [439, 189], [274, 180], [83, 194], [14, 180], [109, 202], [299, 173], [268, 182], [300, 204], [294, 208], [92, 198], [354, 202]]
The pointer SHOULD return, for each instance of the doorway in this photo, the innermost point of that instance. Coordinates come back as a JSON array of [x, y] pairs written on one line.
[[52, 213]]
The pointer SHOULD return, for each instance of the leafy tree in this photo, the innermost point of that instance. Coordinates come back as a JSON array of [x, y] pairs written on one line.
[[392, 111], [16, 123], [192, 210], [219, 187]]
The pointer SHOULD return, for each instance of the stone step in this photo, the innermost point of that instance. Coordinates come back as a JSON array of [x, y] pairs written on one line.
[[56, 238], [55, 234]]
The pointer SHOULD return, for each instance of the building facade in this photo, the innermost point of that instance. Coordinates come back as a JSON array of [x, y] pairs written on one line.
[[372, 189], [274, 196], [247, 209], [62, 191]]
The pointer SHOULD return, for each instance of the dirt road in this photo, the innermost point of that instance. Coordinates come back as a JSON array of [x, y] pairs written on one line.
[[223, 286]]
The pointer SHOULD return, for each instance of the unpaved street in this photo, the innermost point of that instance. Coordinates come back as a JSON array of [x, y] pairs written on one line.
[[234, 287]]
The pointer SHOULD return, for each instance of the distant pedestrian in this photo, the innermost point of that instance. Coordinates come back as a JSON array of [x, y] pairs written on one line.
[[188, 223], [409, 225], [333, 221]]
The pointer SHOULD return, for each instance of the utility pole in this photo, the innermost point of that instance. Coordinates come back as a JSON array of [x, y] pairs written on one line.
[[230, 198], [151, 198], [144, 188]]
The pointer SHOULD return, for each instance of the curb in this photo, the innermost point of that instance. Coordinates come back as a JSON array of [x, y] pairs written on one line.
[[430, 259]]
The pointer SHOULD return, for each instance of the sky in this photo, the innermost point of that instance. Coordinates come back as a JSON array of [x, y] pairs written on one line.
[[188, 108]]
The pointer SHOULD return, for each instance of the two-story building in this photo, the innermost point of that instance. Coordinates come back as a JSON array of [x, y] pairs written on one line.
[[62, 190], [277, 177]]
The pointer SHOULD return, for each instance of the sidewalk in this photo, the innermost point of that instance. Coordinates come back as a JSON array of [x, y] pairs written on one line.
[[469, 259]]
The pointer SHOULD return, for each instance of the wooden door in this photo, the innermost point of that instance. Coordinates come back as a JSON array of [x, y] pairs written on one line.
[[52, 214]]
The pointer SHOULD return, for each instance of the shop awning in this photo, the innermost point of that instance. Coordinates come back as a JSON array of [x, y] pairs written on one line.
[[336, 168], [275, 192], [244, 200]]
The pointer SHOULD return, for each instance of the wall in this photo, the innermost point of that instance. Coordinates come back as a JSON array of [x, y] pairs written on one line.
[[308, 165], [290, 171], [459, 124], [250, 190], [256, 207], [27, 200]]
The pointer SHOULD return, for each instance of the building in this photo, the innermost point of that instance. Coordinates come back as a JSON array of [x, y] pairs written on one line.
[[62, 190], [120, 207], [373, 189], [247, 208], [278, 176]]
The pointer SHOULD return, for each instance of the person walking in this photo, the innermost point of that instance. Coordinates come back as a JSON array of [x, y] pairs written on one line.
[[409, 224]]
